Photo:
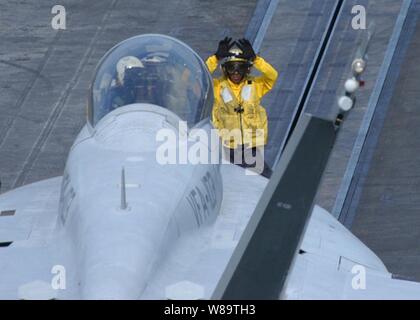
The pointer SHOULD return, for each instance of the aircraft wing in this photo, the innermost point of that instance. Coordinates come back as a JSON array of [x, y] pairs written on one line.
[[28, 217], [29, 212]]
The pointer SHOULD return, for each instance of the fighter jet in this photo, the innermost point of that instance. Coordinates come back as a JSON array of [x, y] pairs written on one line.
[[126, 222]]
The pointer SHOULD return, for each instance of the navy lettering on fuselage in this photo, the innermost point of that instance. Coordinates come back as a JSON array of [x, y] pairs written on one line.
[[202, 198]]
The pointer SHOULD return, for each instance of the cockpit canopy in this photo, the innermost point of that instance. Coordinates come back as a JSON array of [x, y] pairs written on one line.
[[152, 69]]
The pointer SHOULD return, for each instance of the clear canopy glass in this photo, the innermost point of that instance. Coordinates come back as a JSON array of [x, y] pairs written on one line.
[[153, 69]]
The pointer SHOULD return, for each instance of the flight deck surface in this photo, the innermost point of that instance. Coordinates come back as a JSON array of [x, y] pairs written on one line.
[[382, 208]]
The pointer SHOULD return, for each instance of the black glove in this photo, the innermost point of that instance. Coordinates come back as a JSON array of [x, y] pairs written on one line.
[[248, 51], [224, 46]]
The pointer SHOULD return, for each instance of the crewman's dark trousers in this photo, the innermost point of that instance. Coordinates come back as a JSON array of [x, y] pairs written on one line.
[[250, 158]]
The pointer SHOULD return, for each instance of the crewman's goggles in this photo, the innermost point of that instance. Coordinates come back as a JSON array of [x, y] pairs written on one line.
[[241, 68]]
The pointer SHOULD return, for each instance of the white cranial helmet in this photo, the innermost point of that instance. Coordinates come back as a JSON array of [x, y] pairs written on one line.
[[125, 63]]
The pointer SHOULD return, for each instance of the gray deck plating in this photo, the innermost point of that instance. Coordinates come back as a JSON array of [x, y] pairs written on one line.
[[383, 208], [334, 72]]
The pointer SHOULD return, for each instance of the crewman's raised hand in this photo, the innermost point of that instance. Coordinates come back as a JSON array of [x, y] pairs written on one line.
[[246, 47], [224, 46]]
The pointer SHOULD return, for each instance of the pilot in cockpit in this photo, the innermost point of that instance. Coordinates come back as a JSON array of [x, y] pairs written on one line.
[[155, 70], [149, 80], [128, 81]]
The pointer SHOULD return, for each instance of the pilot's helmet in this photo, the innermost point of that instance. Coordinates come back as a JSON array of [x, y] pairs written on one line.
[[235, 63], [126, 64]]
